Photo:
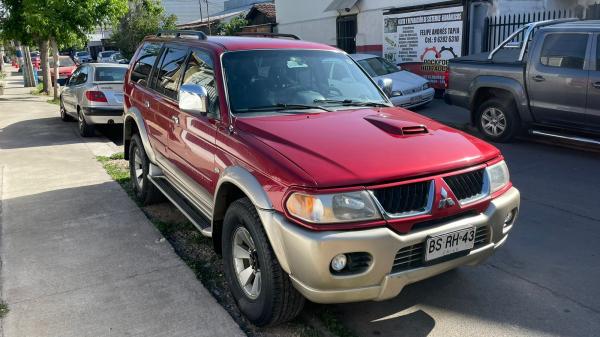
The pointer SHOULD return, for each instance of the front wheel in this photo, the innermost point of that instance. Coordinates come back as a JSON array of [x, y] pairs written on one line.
[[498, 120], [139, 168], [262, 290], [64, 116]]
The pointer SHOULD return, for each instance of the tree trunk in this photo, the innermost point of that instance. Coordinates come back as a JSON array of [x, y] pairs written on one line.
[[27, 68], [45, 66], [55, 69], [1, 56]]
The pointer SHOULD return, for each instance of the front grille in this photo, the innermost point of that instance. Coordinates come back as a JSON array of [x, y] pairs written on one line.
[[404, 199], [412, 90], [412, 257], [467, 186]]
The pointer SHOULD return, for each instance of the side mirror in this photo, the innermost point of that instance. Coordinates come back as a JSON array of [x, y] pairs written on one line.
[[386, 85], [193, 99]]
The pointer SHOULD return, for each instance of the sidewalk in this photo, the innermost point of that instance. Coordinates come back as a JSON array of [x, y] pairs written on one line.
[[79, 258]]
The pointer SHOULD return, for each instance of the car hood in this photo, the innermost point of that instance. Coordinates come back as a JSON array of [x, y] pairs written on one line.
[[404, 80], [366, 146]]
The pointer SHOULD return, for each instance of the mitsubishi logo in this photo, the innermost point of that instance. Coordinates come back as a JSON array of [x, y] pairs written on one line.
[[445, 200]]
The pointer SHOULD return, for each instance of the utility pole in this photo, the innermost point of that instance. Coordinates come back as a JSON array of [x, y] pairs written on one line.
[[208, 16], [200, 7]]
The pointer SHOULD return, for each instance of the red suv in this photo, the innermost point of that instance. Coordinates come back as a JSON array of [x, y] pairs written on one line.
[[310, 183]]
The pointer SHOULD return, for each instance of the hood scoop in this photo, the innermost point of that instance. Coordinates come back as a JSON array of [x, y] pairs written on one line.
[[395, 126]]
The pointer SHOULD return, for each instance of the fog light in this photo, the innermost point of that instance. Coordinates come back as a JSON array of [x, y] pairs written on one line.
[[510, 217], [338, 262]]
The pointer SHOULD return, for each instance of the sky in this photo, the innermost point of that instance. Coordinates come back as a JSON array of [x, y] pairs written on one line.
[[187, 10]]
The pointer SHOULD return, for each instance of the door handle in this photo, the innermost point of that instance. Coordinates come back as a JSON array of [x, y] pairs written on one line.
[[147, 104], [596, 85], [539, 78], [175, 119]]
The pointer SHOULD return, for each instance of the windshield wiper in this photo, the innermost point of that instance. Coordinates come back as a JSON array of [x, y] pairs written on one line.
[[281, 107], [349, 102]]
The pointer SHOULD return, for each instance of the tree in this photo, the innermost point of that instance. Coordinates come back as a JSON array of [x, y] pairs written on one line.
[[235, 25], [145, 17], [61, 21]]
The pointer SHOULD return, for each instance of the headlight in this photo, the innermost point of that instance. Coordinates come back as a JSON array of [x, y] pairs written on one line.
[[498, 176], [396, 93], [425, 86], [333, 208]]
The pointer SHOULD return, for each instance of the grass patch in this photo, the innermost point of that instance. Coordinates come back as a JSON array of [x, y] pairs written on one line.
[[37, 90], [54, 101], [3, 309], [198, 253]]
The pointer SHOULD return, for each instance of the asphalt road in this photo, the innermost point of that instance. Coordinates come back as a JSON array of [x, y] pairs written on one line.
[[545, 281]]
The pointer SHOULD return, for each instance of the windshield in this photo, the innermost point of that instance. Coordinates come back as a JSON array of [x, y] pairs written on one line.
[[378, 66], [107, 53], [295, 78], [109, 74], [63, 61], [82, 53]]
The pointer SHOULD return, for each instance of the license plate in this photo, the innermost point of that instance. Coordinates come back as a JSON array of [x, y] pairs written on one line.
[[415, 99], [449, 243]]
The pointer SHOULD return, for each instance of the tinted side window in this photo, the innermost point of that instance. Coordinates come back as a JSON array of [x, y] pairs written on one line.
[[200, 71], [169, 73], [598, 53], [143, 65], [564, 50]]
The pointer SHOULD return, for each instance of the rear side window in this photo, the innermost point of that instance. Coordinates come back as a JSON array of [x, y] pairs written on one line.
[[598, 54], [143, 65], [109, 74], [564, 50], [169, 73], [200, 70]]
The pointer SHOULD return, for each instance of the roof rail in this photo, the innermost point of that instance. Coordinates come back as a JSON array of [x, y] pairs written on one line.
[[178, 33], [528, 28], [266, 34]]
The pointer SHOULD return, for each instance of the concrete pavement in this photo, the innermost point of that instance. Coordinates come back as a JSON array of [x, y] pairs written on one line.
[[79, 258], [544, 280]]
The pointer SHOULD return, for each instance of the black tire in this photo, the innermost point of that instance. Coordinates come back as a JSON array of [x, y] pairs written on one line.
[[495, 114], [64, 116], [85, 129], [278, 301], [143, 188]]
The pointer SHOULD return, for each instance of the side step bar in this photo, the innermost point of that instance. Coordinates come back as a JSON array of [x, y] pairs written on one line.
[[196, 217], [565, 137]]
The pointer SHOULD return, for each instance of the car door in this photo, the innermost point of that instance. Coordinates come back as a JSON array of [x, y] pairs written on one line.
[[558, 79], [78, 90], [193, 142], [73, 94], [68, 96], [140, 96], [164, 83], [593, 97]]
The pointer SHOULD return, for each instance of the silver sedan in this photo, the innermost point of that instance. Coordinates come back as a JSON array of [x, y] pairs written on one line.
[[94, 95]]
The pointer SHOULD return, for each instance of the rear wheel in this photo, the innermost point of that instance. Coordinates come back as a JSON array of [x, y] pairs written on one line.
[[498, 120], [85, 129], [262, 290], [139, 167]]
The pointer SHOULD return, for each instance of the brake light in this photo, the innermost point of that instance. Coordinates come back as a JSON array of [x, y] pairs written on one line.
[[96, 96], [447, 77]]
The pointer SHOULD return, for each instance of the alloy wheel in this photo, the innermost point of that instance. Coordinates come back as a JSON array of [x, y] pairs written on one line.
[[138, 168], [81, 123], [493, 121], [245, 262]]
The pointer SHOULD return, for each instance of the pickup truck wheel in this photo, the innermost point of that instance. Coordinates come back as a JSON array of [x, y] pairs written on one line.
[[498, 120], [262, 290], [139, 166]]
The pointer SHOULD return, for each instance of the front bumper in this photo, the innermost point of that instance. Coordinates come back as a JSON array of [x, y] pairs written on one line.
[[415, 99], [108, 115], [305, 255]]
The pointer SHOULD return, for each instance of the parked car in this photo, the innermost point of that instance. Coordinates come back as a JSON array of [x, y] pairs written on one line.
[[408, 90], [82, 57], [311, 185], [549, 85], [104, 56], [118, 58], [66, 67], [94, 95], [36, 60]]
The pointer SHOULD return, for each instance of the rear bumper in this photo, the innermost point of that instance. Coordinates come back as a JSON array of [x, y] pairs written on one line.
[[306, 255], [103, 115]]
